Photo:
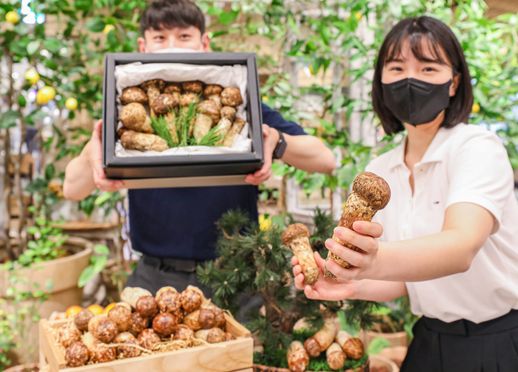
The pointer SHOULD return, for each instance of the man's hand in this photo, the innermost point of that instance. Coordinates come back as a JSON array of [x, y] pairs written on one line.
[[95, 159], [270, 139]]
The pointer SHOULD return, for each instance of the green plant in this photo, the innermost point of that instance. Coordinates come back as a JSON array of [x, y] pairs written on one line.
[[252, 261], [394, 317], [326, 41], [19, 313], [46, 244], [104, 200], [98, 262]]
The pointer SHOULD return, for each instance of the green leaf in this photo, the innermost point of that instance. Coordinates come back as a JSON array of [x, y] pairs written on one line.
[[8, 119], [33, 46], [161, 128], [52, 45], [226, 18], [95, 24], [50, 171], [22, 102], [100, 263], [377, 345], [86, 275], [101, 249], [103, 198]]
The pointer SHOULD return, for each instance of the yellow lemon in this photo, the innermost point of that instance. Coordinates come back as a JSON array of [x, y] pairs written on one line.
[[71, 103], [265, 223], [45, 95], [109, 307], [108, 28], [12, 17], [32, 76], [73, 310], [475, 108], [96, 309]]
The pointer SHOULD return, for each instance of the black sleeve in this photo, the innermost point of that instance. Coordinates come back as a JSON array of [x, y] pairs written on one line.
[[275, 120]]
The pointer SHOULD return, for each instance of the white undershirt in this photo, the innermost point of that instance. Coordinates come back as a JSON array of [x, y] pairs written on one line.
[[466, 163]]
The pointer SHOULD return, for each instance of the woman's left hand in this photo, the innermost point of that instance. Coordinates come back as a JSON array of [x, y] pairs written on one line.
[[363, 236]]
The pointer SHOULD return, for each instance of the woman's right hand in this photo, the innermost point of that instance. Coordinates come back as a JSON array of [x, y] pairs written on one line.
[[95, 159], [324, 288]]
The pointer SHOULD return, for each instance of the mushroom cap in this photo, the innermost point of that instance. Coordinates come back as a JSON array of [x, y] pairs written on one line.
[[211, 109], [182, 332], [82, 318], [228, 112], [216, 98], [164, 103], [353, 348], [133, 94], [192, 86], [294, 231], [188, 98], [154, 83], [212, 89], [146, 306], [215, 335], [138, 323], [148, 338], [372, 188], [102, 328], [231, 96], [173, 88], [133, 115], [77, 354], [164, 324]]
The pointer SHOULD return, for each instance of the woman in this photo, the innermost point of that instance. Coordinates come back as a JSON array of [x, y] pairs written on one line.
[[449, 235]]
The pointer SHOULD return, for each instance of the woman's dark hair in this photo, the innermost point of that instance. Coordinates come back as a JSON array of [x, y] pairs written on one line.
[[170, 14], [439, 37]]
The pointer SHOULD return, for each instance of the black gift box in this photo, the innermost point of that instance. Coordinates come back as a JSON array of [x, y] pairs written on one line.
[[181, 170]]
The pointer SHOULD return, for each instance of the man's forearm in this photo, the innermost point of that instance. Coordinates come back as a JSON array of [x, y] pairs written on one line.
[[79, 181], [309, 154]]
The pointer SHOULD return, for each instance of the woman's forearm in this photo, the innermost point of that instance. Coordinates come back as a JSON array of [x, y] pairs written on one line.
[[426, 258], [378, 290]]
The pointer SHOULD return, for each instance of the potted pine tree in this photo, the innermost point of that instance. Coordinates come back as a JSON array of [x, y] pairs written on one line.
[[255, 264]]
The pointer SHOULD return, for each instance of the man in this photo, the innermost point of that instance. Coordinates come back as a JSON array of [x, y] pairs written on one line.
[[174, 228]]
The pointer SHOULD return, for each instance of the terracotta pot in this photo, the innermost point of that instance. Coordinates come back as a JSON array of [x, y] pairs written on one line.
[[394, 339], [379, 363], [30, 367], [63, 273], [365, 368], [396, 354]]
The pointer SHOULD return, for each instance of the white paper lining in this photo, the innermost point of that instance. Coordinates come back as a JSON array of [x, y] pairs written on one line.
[[227, 76]]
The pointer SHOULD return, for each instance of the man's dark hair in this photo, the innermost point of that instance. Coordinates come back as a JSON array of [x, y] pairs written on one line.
[[439, 37], [170, 14]]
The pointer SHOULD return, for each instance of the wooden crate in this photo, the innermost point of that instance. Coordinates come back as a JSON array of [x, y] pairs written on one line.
[[236, 355]]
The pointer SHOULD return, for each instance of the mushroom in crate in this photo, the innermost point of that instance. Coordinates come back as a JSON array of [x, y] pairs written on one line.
[[142, 325]]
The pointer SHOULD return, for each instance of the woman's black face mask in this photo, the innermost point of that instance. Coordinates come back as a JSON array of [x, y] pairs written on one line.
[[416, 101]]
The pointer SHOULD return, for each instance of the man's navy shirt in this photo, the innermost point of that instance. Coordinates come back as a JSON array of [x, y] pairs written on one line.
[[181, 222]]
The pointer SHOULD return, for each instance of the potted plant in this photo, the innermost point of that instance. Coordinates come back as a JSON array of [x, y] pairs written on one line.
[[253, 261], [43, 277], [392, 322]]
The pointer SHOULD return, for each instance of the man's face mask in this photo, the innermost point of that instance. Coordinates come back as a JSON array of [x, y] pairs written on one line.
[[415, 101], [176, 50]]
